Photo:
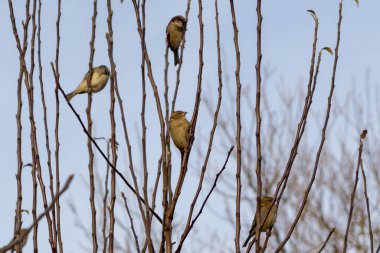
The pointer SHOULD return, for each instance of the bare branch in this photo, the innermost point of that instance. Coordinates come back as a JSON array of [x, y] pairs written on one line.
[[131, 220], [238, 126], [327, 239], [188, 229], [345, 244], [40, 216]]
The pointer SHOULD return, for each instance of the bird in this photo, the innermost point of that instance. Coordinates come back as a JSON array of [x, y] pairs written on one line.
[[179, 128], [99, 79], [24, 233], [174, 35], [265, 204]]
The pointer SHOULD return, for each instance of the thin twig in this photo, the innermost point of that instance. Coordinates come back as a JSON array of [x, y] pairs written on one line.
[[113, 81], [186, 232], [180, 58], [193, 122], [154, 88], [327, 239], [148, 220], [238, 127], [29, 87], [166, 175], [368, 208], [281, 185], [47, 142], [258, 124], [57, 144], [106, 191], [89, 128], [18, 213], [212, 133], [131, 220], [316, 163], [31, 96], [345, 244], [40, 216]]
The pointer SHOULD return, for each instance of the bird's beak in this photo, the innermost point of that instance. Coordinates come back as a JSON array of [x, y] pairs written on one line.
[[184, 113]]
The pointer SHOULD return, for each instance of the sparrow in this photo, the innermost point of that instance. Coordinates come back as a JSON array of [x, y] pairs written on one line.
[[265, 204], [99, 79], [179, 128], [174, 35], [24, 239]]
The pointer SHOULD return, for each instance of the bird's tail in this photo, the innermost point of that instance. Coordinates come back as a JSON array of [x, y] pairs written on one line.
[[246, 241], [176, 57], [71, 95], [182, 155]]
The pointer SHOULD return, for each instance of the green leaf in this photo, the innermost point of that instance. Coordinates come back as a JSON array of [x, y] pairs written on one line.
[[25, 211], [329, 50], [313, 14]]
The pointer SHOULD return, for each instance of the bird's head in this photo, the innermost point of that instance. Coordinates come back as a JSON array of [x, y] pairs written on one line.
[[267, 200], [179, 21], [105, 69], [178, 115]]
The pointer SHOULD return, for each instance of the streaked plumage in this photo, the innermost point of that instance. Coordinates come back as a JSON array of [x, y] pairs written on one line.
[[174, 35]]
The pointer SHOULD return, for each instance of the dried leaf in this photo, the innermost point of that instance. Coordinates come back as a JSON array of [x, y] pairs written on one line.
[[328, 50], [363, 134], [313, 14]]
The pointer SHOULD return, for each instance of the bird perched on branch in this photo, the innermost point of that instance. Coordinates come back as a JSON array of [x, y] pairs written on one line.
[[265, 204], [179, 130], [174, 35], [99, 79], [12, 245]]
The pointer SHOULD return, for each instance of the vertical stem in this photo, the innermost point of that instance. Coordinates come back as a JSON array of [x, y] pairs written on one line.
[[367, 204], [258, 124], [57, 144], [105, 202], [47, 138], [238, 129], [345, 244], [30, 94], [89, 129], [180, 58], [147, 221], [185, 158], [109, 37], [18, 214]]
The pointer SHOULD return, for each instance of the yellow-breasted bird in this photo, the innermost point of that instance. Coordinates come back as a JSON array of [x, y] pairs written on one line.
[[179, 130], [99, 79], [265, 204], [174, 35]]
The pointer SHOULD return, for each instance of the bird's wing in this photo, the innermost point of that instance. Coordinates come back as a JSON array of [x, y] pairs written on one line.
[[86, 76]]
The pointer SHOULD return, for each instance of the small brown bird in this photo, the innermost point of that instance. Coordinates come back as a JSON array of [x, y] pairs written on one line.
[[179, 130], [99, 79], [265, 204], [24, 238], [174, 35]]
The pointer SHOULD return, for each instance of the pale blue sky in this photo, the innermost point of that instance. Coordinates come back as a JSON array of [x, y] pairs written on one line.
[[287, 39]]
